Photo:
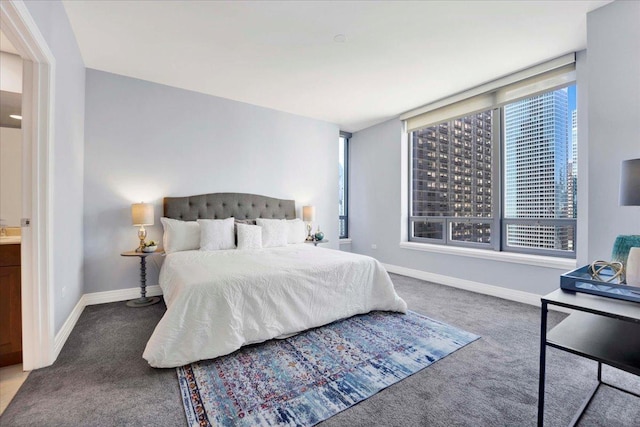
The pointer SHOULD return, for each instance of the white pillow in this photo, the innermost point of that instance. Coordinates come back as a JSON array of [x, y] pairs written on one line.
[[274, 232], [249, 236], [296, 231], [217, 234], [180, 235]]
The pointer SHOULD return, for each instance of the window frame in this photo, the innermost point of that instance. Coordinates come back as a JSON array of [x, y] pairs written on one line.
[[500, 223], [346, 136], [448, 220]]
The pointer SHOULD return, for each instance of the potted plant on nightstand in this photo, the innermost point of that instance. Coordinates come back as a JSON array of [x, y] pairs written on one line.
[[150, 246]]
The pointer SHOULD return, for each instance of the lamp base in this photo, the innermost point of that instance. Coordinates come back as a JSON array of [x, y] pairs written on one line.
[[633, 267], [143, 302], [142, 235]]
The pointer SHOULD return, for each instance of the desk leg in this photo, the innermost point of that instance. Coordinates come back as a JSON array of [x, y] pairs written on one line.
[[587, 401], [543, 362]]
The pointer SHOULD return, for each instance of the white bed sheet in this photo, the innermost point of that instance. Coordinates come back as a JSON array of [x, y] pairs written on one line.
[[219, 301]]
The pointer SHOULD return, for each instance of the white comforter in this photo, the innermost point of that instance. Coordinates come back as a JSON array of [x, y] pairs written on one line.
[[219, 301]]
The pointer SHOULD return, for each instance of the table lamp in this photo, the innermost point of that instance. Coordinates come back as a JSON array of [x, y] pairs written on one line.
[[141, 215], [630, 196], [308, 216], [630, 183]]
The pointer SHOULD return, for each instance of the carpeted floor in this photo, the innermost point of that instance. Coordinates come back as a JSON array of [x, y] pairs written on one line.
[[100, 378]]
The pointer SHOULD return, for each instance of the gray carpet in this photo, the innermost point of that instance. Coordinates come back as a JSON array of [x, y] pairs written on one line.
[[100, 378]]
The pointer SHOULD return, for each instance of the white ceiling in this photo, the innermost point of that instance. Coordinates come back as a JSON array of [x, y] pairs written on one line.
[[282, 55]]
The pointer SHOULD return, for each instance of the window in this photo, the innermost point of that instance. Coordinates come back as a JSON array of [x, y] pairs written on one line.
[[540, 172], [452, 198], [503, 178], [343, 184]]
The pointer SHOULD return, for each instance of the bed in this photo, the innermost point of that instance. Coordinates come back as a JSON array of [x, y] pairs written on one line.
[[218, 301]]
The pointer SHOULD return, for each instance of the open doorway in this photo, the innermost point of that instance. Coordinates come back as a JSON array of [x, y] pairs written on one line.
[[10, 203], [12, 373], [36, 175]]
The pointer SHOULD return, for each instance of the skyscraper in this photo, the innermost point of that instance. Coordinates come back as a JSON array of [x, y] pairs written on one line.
[[573, 173], [452, 177], [536, 168], [574, 142]]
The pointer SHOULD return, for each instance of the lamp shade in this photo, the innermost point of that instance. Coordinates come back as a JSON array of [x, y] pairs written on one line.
[[630, 183], [142, 214], [308, 213]]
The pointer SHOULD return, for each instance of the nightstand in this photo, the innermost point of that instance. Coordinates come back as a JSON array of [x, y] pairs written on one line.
[[316, 242], [144, 300], [603, 329]]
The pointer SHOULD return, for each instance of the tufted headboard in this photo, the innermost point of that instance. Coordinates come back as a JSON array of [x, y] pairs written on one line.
[[225, 205]]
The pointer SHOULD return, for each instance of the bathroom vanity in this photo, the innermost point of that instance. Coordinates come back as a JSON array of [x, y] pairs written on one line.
[[10, 303]]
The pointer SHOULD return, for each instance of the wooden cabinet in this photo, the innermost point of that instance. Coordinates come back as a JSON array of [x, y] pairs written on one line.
[[10, 306]]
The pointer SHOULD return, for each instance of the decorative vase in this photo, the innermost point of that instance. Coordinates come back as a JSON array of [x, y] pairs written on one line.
[[319, 235], [633, 267]]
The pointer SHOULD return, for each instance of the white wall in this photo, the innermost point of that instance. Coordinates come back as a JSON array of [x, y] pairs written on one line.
[[608, 116], [10, 176], [613, 56], [66, 155], [145, 141], [10, 72]]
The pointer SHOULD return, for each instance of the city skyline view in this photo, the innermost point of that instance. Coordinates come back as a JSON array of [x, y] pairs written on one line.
[[452, 172]]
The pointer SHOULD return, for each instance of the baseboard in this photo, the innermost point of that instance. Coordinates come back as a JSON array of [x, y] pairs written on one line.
[[67, 327], [468, 285], [119, 295], [92, 299]]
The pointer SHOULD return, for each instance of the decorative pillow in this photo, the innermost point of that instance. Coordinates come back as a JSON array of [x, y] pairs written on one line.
[[249, 236], [296, 231], [180, 235], [242, 221], [274, 232], [217, 234]]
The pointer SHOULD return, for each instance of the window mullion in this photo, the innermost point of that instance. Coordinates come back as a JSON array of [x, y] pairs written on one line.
[[497, 161]]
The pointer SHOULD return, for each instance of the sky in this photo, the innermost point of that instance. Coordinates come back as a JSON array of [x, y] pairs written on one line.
[[572, 99]]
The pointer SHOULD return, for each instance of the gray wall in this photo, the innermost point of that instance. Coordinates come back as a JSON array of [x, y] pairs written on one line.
[[145, 141], [66, 156], [376, 218], [613, 56], [608, 106]]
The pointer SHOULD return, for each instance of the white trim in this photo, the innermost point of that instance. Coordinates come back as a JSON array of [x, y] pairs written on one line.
[[119, 295], [23, 32], [469, 285], [564, 264], [344, 242], [69, 324], [37, 250], [93, 299]]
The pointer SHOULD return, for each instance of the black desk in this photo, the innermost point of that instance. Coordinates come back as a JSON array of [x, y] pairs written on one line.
[[602, 329]]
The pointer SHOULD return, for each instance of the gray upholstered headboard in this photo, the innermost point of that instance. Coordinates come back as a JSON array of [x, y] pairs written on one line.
[[225, 205]]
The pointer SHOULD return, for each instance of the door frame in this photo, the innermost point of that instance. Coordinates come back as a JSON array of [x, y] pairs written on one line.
[[38, 329]]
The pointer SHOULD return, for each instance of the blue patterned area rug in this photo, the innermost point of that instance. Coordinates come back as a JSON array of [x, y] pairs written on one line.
[[312, 376]]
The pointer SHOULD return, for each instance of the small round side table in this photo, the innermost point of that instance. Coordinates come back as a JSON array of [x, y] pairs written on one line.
[[144, 300]]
